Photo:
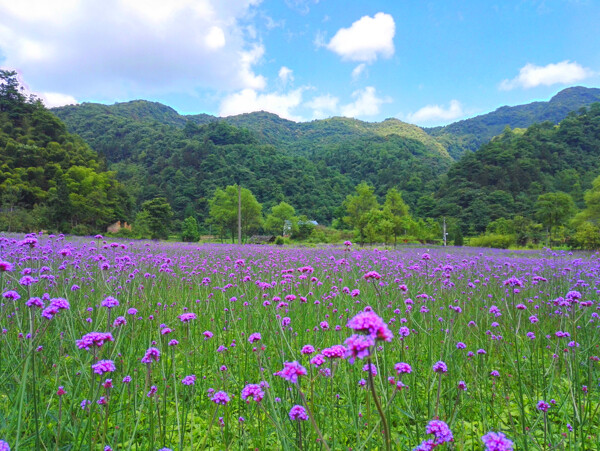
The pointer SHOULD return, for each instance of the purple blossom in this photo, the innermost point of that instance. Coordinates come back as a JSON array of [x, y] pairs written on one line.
[[189, 380], [151, 355], [298, 413], [291, 371], [440, 367], [110, 302], [358, 346], [369, 322], [253, 391], [497, 441], [94, 339], [220, 397], [103, 366]]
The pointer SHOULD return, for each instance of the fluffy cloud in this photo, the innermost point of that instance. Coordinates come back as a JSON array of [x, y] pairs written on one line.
[[366, 39], [436, 113], [323, 106], [54, 99], [107, 49], [285, 75], [531, 75], [366, 103], [358, 70], [248, 100]]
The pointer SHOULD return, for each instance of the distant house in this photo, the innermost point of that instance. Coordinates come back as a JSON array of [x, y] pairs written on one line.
[[261, 239], [114, 228]]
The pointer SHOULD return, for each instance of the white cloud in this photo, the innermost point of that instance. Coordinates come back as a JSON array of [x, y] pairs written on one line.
[[285, 75], [437, 113], [358, 70], [54, 99], [248, 100], [366, 39], [366, 104], [531, 75], [109, 49], [323, 106]]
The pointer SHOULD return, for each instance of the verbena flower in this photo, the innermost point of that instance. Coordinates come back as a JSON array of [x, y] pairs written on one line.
[[298, 413], [497, 441], [103, 366], [291, 371]]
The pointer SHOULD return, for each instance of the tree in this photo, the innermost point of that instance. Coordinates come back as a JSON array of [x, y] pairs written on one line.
[[276, 220], [591, 212], [159, 214], [224, 211], [358, 206], [189, 230], [394, 210], [554, 209]]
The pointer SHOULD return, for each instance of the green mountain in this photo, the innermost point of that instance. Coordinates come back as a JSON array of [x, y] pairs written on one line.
[[470, 134], [50, 178], [315, 165], [505, 176]]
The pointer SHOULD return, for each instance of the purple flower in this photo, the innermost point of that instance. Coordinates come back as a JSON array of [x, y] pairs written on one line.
[[334, 352], [441, 431], [440, 367], [543, 406], [369, 322], [12, 295], [189, 380], [220, 397], [253, 391], [186, 317], [152, 354], [94, 339], [307, 350], [298, 413], [497, 441], [3, 445], [254, 337], [402, 368], [495, 374], [317, 360], [291, 371], [35, 302], [6, 266], [110, 302], [358, 346], [103, 366]]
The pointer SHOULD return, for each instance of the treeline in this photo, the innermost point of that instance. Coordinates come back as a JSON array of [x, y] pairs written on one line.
[[49, 178]]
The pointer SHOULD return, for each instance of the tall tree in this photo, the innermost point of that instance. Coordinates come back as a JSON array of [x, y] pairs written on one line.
[[159, 214], [276, 220], [358, 206], [224, 211], [554, 209]]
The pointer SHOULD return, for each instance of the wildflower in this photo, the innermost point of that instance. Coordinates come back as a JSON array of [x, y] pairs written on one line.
[[6, 266], [187, 317], [291, 371], [495, 373], [254, 337], [152, 391], [94, 339], [61, 391], [497, 441], [127, 379], [335, 351], [152, 354], [358, 346], [317, 360], [110, 302], [372, 275], [307, 350], [441, 431], [402, 368], [440, 367], [103, 366], [35, 302], [253, 391], [189, 380], [207, 334], [298, 413], [220, 397], [370, 323], [85, 403], [173, 342], [3, 445], [462, 386], [543, 406]]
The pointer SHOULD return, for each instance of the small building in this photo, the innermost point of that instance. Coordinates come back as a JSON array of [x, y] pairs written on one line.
[[114, 228]]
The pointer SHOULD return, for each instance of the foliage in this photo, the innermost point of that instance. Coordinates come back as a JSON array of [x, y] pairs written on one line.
[[189, 230], [281, 214], [493, 240], [157, 215], [470, 134], [224, 212], [43, 165]]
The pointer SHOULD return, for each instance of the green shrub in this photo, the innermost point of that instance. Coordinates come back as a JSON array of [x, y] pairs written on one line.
[[493, 240]]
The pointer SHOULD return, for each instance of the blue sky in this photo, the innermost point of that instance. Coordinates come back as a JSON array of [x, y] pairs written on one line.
[[424, 62]]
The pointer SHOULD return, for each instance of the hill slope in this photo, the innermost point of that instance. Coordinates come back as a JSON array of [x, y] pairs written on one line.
[[470, 134]]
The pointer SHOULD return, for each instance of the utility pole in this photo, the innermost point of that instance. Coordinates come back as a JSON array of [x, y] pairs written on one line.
[[239, 214], [445, 234]]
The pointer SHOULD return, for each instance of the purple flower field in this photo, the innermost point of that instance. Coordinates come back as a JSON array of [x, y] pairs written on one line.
[[152, 346]]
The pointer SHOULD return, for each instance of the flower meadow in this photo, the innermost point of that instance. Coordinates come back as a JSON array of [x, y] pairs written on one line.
[[155, 346]]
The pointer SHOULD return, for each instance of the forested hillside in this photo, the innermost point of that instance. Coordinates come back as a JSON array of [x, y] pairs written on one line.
[[50, 178], [506, 177], [312, 166], [470, 134]]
